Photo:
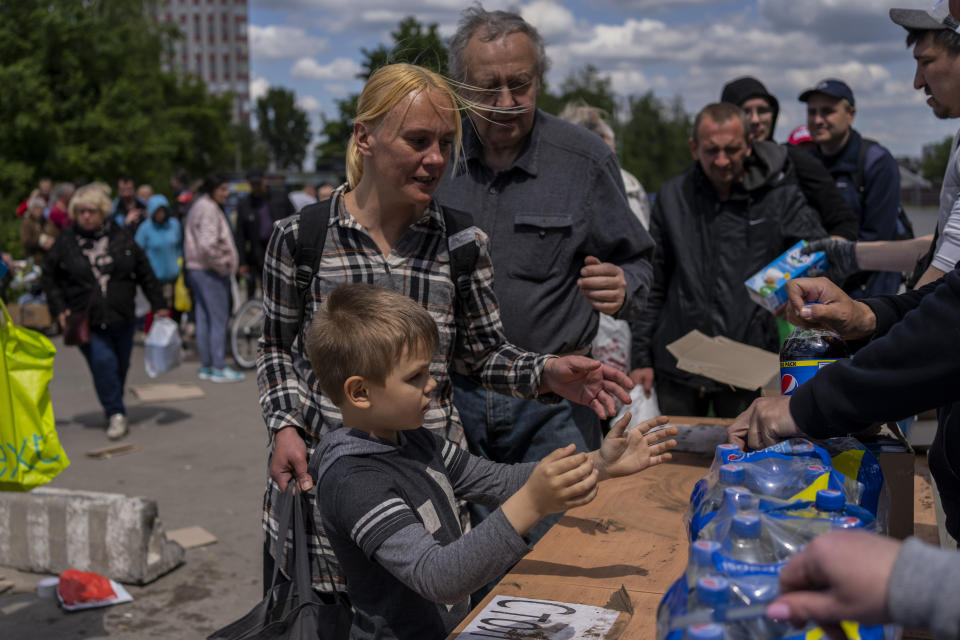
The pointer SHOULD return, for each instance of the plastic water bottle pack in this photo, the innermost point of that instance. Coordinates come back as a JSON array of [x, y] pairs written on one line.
[[748, 516]]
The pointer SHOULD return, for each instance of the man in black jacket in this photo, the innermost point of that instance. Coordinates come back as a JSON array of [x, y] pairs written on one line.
[[256, 214], [821, 192], [718, 223], [910, 365]]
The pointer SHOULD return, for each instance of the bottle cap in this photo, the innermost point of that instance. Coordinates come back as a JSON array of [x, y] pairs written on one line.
[[829, 500], [705, 632], [747, 526], [727, 452], [813, 472], [738, 498], [713, 590], [731, 474], [848, 522], [701, 551]]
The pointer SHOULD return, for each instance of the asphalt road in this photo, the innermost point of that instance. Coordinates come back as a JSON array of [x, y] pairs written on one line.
[[204, 462]]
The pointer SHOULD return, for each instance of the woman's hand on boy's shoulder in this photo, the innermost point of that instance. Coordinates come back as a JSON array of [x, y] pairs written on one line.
[[625, 452]]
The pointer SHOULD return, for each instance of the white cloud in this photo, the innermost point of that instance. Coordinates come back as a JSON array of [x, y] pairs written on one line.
[[275, 42], [339, 69], [308, 103], [336, 90], [842, 21], [258, 87], [548, 17]]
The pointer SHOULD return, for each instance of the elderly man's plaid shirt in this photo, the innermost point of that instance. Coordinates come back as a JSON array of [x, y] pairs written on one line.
[[471, 338]]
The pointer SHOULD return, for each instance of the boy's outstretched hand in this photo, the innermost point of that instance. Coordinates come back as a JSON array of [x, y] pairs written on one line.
[[624, 452], [560, 481]]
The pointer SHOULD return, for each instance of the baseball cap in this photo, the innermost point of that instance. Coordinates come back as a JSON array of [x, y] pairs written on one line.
[[800, 135], [933, 19], [830, 87]]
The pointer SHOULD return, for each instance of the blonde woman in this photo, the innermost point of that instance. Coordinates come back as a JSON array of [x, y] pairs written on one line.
[[385, 228], [90, 276]]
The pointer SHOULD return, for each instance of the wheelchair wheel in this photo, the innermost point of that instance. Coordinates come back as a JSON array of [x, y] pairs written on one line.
[[245, 329]]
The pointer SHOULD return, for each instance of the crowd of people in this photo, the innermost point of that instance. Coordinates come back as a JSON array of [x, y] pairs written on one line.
[[400, 378]]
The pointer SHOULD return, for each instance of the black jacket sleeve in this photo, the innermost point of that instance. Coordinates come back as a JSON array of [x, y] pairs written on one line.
[[912, 367], [823, 195], [644, 325], [49, 282]]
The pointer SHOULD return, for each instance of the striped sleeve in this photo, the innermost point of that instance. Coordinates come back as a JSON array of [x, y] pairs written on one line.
[[363, 504]]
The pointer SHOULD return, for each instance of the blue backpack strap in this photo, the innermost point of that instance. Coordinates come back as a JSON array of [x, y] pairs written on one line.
[[463, 248]]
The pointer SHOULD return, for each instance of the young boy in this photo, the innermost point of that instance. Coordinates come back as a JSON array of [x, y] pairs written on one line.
[[388, 488]]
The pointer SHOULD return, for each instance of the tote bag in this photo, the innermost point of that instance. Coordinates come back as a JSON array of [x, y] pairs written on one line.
[[30, 452]]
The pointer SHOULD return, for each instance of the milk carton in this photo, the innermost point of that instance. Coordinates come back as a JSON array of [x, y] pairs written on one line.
[[768, 287]]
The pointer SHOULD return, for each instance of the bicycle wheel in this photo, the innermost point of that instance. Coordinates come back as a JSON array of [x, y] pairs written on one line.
[[246, 325]]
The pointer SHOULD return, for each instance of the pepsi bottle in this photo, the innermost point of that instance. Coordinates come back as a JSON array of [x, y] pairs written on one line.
[[806, 351]]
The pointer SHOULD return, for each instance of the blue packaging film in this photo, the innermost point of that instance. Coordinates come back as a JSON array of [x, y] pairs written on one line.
[[749, 515]]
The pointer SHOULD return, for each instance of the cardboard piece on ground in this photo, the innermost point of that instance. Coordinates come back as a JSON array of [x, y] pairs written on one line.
[[112, 450], [190, 537], [166, 391], [725, 360], [35, 316]]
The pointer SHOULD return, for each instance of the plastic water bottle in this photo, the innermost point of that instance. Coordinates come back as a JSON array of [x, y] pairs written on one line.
[[700, 562], [730, 475], [747, 543], [762, 628], [712, 592], [813, 472], [829, 502], [727, 453], [737, 499], [704, 632]]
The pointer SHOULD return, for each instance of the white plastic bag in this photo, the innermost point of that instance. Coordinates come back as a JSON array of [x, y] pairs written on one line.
[[161, 349], [611, 345], [641, 407]]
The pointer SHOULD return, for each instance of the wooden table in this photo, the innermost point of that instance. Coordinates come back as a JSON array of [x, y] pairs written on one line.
[[632, 536]]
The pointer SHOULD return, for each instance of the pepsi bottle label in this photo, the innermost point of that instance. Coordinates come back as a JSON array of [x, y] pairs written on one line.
[[794, 373]]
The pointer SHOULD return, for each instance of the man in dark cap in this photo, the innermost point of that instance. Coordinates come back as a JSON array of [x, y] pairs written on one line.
[[256, 214], [762, 109], [863, 169]]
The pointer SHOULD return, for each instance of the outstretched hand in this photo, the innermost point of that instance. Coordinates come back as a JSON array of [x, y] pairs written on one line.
[[766, 422], [562, 480], [625, 452], [587, 382]]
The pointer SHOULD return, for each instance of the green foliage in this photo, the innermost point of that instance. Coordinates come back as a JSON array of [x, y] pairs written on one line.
[[412, 43], [86, 98], [935, 158], [585, 85], [284, 127], [653, 141]]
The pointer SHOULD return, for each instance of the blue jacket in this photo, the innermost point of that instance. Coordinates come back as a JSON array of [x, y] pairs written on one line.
[[877, 207], [163, 243]]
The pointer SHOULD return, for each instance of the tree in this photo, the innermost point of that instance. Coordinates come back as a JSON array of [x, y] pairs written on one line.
[[653, 141], [284, 127], [585, 85], [412, 43], [935, 159], [91, 100]]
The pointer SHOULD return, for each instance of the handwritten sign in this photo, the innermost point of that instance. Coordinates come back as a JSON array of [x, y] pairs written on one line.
[[512, 618]]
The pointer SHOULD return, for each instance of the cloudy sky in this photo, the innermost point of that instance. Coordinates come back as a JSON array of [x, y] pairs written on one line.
[[688, 48]]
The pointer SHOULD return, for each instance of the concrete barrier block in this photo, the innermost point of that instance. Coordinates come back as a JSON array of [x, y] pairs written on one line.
[[50, 530]]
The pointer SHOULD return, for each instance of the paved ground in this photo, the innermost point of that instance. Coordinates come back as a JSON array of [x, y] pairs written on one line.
[[204, 462]]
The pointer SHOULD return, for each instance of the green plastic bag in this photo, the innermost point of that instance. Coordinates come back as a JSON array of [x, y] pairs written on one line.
[[30, 452]]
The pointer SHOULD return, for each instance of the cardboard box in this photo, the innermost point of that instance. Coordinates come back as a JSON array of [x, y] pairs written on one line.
[[896, 459], [14, 310], [768, 287], [35, 316]]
